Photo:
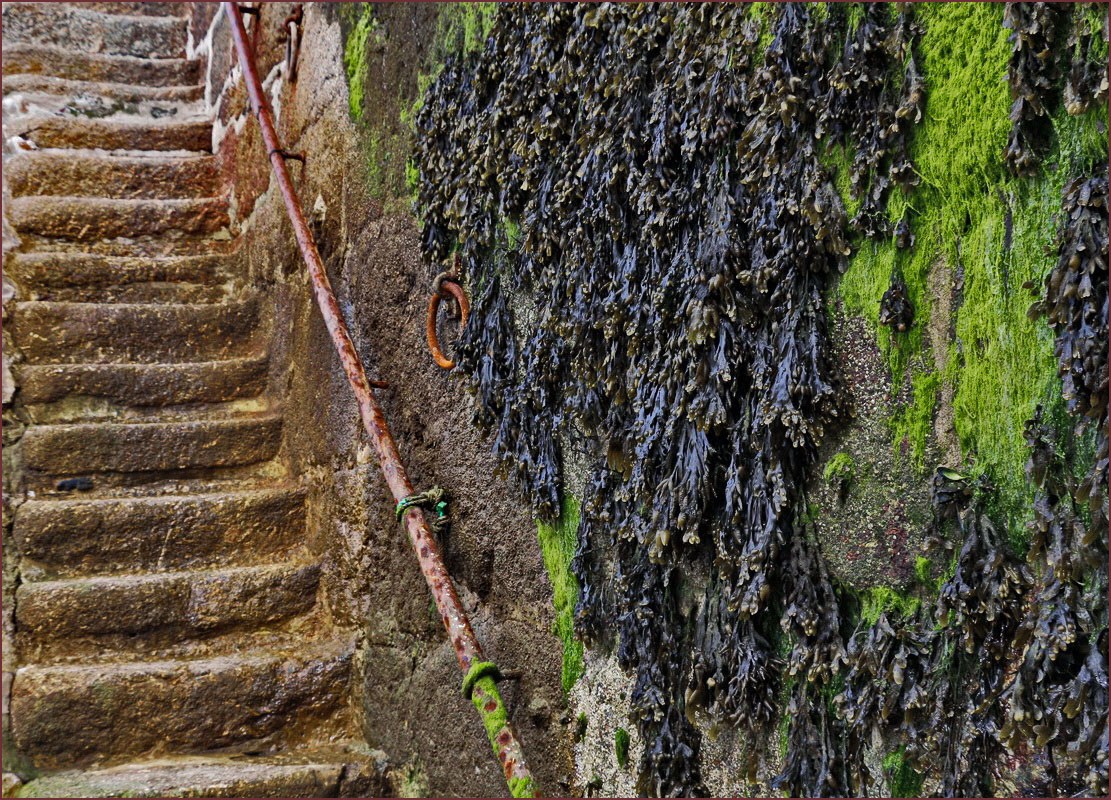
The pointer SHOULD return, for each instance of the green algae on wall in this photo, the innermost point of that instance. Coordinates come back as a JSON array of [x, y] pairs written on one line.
[[880, 600], [992, 233], [557, 544], [902, 780], [355, 58], [461, 28], [621, 747], [384, 104]]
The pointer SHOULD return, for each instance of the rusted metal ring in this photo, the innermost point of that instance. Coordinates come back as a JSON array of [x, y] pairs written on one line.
[[450, 286]]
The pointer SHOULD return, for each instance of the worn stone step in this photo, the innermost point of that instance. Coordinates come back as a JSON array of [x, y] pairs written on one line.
[[91, 31], [39, 274], [67, 716], [138, 293], [72, 174], [142, 9], [101, 536], [151, 446], [118, 133], [352, 771], [123, 97], [61, 62], [48, 332], [161, 607], [92, 218], [142, 385], [151, 247]]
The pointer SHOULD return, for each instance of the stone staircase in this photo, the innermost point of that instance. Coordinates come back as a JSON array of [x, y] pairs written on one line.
[[169, 636]]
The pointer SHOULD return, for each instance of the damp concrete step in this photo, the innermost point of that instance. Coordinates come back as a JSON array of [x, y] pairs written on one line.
[[48, 332], [62, 62], [93, 218], [351, 771], [123, 97], [172, 532], [146, 385], [91, 277], [118, 133], [88, 30], [77, 450], [68, 716], [160, 608], [70, 174]]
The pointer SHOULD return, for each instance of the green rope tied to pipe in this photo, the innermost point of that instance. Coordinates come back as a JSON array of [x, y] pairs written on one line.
[[434, 500]]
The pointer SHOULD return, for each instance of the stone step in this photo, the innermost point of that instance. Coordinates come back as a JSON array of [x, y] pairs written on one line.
[[86, 30], [92, 218], [351, 771], [67, 716], [77, 450], [61, 62], [102, 536], [90, 277], [160, 608], [47, 332], [138, 293], [141, 9], [72, 174], [119, 133], [216, 245], [118, 93], [143, 385]]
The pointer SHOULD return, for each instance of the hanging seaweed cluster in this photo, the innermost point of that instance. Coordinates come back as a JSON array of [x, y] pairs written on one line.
[[935, 681], [1033, 73], [874, 114], [636, 196], [1060, 699], [676, 233], [1086, 83], [1036, 66]]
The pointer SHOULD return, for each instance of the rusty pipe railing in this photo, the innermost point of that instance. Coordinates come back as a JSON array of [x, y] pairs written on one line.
[[478, 682]]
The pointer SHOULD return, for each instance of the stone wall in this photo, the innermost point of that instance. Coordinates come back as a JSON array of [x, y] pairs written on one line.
[[946, 392], [407, 697]]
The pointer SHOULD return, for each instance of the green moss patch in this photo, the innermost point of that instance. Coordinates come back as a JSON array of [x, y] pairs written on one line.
[[879, 600], [355, 50], [902, 780], [992, 233], [557, 545], [621, 747]]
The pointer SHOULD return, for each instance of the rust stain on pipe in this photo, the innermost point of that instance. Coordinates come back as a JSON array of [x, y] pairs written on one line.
[[463, 640]]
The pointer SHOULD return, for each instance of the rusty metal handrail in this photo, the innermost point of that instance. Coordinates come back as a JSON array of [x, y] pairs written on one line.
[[478, 683]]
